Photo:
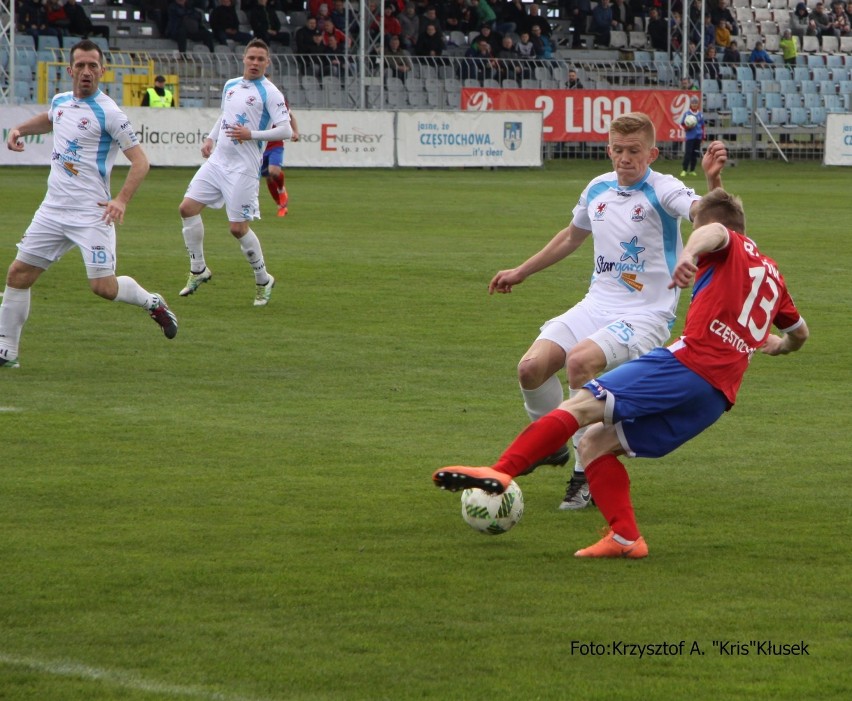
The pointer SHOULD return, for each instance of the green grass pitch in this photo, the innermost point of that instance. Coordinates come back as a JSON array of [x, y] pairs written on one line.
[[245, 513]]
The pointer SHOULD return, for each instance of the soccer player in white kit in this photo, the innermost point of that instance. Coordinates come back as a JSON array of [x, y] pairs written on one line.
[[253, 111], [633, 215], [78, 209]]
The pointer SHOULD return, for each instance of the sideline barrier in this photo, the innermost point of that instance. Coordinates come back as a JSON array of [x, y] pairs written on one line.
[[838, 140], [329, 138]]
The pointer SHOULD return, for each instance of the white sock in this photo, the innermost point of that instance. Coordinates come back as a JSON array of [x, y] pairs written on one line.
[[14, 312], [544, 399], [250, 246], [193, 237], [131, 292], [623, 541], [579, 467]]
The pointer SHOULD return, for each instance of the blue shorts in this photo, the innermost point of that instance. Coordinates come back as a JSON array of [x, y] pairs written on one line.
[[656, 403], [272, 157]]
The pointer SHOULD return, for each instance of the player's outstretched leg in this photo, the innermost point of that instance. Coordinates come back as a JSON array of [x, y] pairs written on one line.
[[195, 280], [608, 546], [164, 316], [460, 477], [557, 459]]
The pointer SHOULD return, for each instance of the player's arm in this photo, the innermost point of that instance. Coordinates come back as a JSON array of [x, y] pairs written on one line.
[[707, 238], [40, 124], [295, 127], [115, 208], [788, 342], [279, 132], [560, 246], [712, 163]]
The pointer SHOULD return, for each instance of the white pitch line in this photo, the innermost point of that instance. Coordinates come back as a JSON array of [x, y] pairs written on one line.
[[116, 677], [9, 409]]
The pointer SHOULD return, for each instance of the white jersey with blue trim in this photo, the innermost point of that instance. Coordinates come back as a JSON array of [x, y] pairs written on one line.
[[87, 133], [636, 234], [256, 104]]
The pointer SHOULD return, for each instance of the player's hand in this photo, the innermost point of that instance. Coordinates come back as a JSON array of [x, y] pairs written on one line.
[[683, 273], [14, 141], [295, 136], [207, 148], [714, 158], [113, 212], [503, 281], [238, 132], [774, 345]]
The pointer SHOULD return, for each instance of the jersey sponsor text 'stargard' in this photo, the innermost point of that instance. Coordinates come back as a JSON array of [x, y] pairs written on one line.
[[636, 234]]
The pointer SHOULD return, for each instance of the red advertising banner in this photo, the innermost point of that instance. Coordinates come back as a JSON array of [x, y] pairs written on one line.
[[585, 115]]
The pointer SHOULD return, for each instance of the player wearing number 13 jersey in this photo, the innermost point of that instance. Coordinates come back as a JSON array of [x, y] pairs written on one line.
[[653, 404]]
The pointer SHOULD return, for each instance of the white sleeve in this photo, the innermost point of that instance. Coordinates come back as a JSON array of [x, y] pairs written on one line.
[[214, 132], [281, 132]]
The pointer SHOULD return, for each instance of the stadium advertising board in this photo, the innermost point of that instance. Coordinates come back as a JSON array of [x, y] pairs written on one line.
[[442, 139], [584, 115], [329, 139], [838, 140]]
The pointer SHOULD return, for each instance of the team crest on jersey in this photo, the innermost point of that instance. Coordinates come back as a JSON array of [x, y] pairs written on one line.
[[58, 116], [83, 124], [600, 211], [229, 94], [251, 99], [638, 213]]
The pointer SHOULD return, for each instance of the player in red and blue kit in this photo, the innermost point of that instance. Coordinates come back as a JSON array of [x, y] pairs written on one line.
[[272, 168], [653, 404]]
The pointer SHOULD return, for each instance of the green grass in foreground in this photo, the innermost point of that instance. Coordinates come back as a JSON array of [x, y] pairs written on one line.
[[245, 513]]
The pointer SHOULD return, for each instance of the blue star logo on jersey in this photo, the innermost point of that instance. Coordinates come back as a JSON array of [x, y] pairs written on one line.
[[242, 119], [73, 147], [632, 249]]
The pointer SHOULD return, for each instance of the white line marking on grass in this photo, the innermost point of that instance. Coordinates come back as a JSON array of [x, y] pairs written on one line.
[[117, 677], [9, 409]]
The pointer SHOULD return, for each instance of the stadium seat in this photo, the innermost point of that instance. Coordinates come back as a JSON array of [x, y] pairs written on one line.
[[778, 116], [772, 100], [782, 73], [816, 116], [637, 40], [810, 44], [827, 87], [830, 44], [846, 45], [820, 73], [713, 102], [833, 103], [772, 42], [793, 100], [798, 116], [740, 117], [734, 100], [617, 39], [744, 73]]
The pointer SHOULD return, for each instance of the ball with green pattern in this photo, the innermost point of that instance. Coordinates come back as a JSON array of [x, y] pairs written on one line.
[[492, 514]]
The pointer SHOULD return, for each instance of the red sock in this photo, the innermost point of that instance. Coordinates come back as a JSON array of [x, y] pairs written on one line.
[[273, 187], [610, 488], [538, 440]]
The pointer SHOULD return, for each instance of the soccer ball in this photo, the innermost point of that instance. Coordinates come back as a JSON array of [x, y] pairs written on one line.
[[492, 514], [690, 121]]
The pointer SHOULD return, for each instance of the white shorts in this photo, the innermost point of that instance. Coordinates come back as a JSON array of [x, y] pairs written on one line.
[[621, 336], [55, 231], [215, 187]]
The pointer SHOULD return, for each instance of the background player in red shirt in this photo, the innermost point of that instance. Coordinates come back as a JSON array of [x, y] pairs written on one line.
[[272, 168], [653, 404]]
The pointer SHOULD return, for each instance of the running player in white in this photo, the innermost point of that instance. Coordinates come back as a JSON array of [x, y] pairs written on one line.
[[253, 111], [633, 215], [78, 209]]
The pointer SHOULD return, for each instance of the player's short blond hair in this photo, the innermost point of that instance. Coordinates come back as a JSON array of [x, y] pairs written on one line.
[[721, 207], [634, 123]]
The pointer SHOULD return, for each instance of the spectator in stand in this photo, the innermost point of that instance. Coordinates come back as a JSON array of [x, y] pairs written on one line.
[[525, 47], [708, 35], [639, 11], [801, 23], [333, 58], [430, 16], [266, 25], [390, 23], [508, 64], [338, 16], [158, 96], [839, 20], [622, 14], [186, 23], [579, 12], [676, 30], [430, 43], [543, 44], [495, 39], [723, 34], [711, 65], [484, 13], [225, 24], [789, 49], [479, 63], [603, 23], [821, 20], [722, 13], [758, 56], [693, 61], [329, 31], [80, 24], [658, 30], [732, 53], [56, 18], [511, 17], [409, 20], [573, 83], [397, 59], [305, 36], [688, 83], [32, 19], [457, 17], [535, 18]]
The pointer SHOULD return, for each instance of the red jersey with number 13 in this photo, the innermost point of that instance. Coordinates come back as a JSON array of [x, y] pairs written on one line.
[[738, 294]]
